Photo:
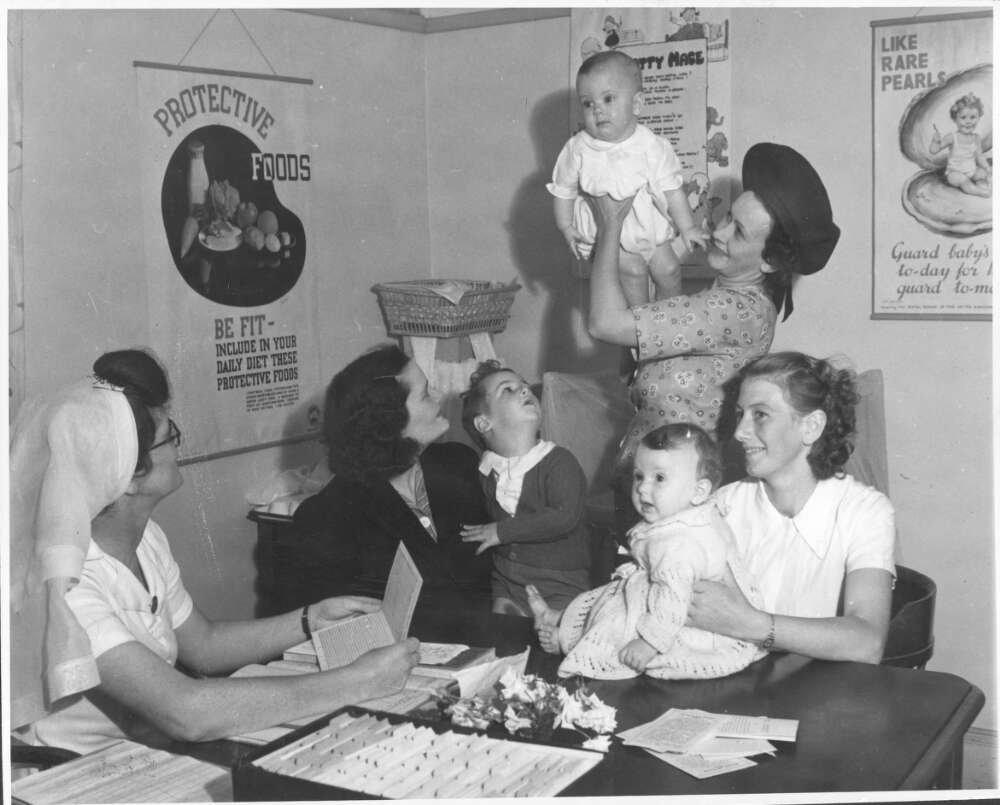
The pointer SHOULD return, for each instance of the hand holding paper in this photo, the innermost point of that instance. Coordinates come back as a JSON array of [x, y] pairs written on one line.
[[346, 640]]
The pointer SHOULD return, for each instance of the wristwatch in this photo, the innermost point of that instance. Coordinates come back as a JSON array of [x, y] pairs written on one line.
[[769, 640]]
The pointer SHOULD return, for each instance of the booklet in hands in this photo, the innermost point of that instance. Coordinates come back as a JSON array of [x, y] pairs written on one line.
[[346, 640]]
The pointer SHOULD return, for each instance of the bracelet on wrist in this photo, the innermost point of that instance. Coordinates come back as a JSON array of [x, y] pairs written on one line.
[[768, 642], [304, 620]]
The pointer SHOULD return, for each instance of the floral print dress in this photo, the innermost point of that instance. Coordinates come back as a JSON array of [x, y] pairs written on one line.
[[688, 346]]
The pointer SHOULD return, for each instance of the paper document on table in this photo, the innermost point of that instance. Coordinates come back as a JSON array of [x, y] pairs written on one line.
[[702, 767], [769, 729], [732, 747], [675, 731], [400, 703], [479, 678], [345, 641], [127, 772], [438, 653]]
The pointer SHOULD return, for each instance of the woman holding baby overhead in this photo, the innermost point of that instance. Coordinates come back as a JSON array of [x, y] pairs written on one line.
[[687, 346], [89, 466]]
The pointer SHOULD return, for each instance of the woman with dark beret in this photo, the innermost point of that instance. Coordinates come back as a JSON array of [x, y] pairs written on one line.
[[688, 346]]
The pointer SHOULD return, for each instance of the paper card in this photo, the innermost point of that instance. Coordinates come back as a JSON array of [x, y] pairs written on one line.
[[702, 767], [401, 593], [675, 731], [771, 729], [343, 642]]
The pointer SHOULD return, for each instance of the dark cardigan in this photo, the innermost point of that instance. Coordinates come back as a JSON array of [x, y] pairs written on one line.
[[349, 533]]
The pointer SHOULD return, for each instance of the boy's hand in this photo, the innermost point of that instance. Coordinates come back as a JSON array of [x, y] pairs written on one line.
[[578, 245], [485, 535], [695, 236], [637, 654]]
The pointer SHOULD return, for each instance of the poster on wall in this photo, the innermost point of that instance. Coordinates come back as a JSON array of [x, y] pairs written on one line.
[[227, 170], [932, 216], [684, 55]]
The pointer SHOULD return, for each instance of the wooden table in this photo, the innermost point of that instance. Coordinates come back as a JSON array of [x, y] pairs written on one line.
[[861, 727]]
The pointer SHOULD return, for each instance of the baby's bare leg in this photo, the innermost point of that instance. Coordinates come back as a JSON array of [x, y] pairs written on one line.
[[546, 620], [665, 269], [633, 273]]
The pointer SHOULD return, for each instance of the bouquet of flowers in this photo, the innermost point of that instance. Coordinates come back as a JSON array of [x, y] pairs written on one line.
[[531, 707]]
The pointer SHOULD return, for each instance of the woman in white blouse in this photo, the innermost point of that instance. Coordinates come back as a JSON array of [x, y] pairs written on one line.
[[819, 543]]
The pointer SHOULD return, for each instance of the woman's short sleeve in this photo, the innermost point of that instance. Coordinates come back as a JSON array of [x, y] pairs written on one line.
[[871, 522]]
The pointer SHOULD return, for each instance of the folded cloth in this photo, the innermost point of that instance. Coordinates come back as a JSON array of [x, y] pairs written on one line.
[[295, 484], [71, 455]]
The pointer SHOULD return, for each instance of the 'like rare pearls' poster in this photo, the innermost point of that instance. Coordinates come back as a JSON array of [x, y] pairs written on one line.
[[933, 167], [226, 192]]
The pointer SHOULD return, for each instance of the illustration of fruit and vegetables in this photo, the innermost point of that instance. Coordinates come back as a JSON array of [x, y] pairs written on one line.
[[224, 221], [233, 239]]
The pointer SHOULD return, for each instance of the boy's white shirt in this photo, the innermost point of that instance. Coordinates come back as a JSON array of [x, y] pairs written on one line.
[[511, 471]]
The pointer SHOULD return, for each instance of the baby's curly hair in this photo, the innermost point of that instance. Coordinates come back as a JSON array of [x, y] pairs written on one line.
[[365, 415], [675, 434], [474, 397], [815, 384], [967, 100]]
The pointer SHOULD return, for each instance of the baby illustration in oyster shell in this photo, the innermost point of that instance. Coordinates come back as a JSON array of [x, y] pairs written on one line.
[[967, 168], [951, 194]]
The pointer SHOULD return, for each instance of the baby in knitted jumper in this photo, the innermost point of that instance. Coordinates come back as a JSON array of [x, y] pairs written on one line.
[[635, 623]]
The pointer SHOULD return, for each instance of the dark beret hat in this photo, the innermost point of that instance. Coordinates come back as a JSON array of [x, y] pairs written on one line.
[[794, 195]]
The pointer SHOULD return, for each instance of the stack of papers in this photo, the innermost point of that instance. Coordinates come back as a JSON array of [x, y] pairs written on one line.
[[127, 772], [706, 744]]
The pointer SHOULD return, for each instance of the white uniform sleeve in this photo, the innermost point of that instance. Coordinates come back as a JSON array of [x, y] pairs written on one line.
[[99, 618]]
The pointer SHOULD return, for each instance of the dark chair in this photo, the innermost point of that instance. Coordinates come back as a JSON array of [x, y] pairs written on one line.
[[911, 629]]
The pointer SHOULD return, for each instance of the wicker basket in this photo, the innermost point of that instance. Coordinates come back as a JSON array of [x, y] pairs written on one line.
[[414, 308]]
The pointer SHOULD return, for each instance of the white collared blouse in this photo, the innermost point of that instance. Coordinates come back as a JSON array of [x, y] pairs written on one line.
[[799, 563]]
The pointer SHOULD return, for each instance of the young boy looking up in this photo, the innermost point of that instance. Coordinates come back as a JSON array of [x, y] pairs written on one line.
[[534, 493]]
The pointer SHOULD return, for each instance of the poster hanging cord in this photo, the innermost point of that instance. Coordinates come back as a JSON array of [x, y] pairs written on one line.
[[242, 25]]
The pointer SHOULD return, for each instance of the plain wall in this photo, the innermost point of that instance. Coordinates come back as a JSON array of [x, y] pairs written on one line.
[[511, 111], [438, 148]]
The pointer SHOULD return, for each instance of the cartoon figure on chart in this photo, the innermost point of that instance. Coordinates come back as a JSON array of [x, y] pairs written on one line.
[[611, 28], [967, 167], [689, 27], [713, 118], [715, 148], [615, 154]]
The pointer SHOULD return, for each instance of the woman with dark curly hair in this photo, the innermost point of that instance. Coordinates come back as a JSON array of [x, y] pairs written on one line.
[[811, 535], [393, 482]]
